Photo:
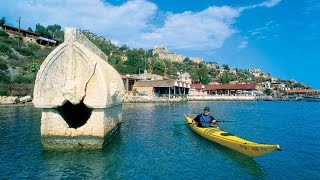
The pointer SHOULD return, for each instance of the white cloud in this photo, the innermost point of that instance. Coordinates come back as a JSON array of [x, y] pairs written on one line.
[[268, 28], [243, 44], [269, 3], [126, 20], [132, 23], [207, 29]]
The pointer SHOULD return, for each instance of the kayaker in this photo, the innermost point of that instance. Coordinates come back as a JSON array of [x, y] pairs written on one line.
[[204, 119]]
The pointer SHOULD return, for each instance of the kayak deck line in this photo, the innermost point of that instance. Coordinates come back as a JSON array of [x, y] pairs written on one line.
[[222, 134], [227, 139]]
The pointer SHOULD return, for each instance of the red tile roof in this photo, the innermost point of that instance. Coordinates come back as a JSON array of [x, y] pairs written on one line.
[[197, 86], [159, 83], [225, 86], [231, 86]]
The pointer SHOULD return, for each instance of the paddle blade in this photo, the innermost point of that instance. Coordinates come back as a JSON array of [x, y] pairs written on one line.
[[179, 122]]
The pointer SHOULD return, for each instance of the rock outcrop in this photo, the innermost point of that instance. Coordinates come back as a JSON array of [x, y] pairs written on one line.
[[8, 99]]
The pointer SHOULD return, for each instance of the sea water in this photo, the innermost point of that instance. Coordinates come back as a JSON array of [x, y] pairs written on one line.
[[150, 146]]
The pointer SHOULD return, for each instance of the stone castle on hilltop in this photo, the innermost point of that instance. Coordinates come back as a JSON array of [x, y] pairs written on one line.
[[164, 53]]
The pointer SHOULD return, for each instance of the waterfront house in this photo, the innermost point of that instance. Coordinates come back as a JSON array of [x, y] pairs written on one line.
[[46, 42], [267, 85], [197, 90], [230, 89], [302, 92], [185, 77], [223, 89], [28, 36], [255, 72], [128, 81], [161, 88]]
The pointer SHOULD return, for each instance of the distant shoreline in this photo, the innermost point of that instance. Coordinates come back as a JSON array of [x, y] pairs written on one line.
[[147, 99], [17, 104]]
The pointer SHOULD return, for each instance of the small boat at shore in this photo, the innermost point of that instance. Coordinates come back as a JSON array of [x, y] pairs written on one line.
[[231, 141], [312, 98]]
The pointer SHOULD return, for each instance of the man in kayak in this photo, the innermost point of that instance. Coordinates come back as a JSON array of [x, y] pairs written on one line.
[[204, 119]]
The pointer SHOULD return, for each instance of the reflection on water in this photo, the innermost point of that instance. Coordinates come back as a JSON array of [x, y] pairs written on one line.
[[84, 164], [245, 162]]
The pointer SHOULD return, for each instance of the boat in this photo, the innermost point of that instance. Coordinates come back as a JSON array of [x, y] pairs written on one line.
[[312, 98], [231, 141]]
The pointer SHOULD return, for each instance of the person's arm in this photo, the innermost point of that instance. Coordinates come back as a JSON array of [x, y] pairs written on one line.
[[196, 119], [214, 121]]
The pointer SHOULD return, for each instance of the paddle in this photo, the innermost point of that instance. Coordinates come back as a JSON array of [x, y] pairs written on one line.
[[182, 122]]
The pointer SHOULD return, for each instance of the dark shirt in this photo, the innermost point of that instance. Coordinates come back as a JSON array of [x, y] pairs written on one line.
[[204, 120]]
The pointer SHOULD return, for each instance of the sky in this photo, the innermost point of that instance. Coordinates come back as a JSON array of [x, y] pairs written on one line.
[[280, 37]]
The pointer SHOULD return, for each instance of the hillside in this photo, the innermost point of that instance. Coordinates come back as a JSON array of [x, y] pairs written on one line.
[[19, 64]]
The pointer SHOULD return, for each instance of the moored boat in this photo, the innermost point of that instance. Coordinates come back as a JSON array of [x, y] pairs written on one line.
[[231, 141], [312, 98]]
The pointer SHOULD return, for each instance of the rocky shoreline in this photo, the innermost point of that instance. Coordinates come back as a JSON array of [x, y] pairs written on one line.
[[10, 100], [15, 100], [143, 99]]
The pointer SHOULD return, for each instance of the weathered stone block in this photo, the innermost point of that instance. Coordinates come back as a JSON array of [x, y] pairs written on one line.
[[80, 93]]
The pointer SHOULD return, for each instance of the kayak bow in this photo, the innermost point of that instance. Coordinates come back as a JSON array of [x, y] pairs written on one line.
[[231, 141]]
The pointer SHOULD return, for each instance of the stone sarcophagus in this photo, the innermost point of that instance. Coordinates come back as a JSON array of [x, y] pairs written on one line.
[[80, 94]]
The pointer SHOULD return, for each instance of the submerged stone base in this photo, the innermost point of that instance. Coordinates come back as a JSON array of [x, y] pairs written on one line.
[[79, 142], [57, 133]]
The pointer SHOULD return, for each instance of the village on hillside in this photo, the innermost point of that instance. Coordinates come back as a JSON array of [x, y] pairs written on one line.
[[223, 83]]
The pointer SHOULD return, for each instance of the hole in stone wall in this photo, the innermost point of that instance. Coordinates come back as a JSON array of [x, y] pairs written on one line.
[[75, 115]]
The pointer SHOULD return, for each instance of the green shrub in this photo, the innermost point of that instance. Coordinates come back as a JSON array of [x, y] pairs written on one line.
[[10, 41], [34, 67], [33, 47], [3, 65], [4, 48], [25, 51], [13, 55], [4, 78], [3, 34], [4, 92], [20, 79]]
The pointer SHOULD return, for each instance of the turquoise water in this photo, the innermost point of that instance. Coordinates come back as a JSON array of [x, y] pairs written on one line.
[[150, 147]]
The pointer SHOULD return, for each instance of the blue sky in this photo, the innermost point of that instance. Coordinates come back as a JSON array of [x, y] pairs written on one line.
[[278, 36]]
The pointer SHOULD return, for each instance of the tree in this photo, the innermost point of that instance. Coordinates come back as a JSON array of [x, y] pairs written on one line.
[[114, 60], [268, 92], [54, 31], [205, 80], [124, 48], [41, 30], [158, 67], [30, 29], [171, 71], [213, 72], [202, 71], [186, 60], [136, 58], [226, 66], [2, 21], [194, 75], [225, 78]]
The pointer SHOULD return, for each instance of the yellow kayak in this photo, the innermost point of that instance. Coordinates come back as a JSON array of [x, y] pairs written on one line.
[[224, 138]]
